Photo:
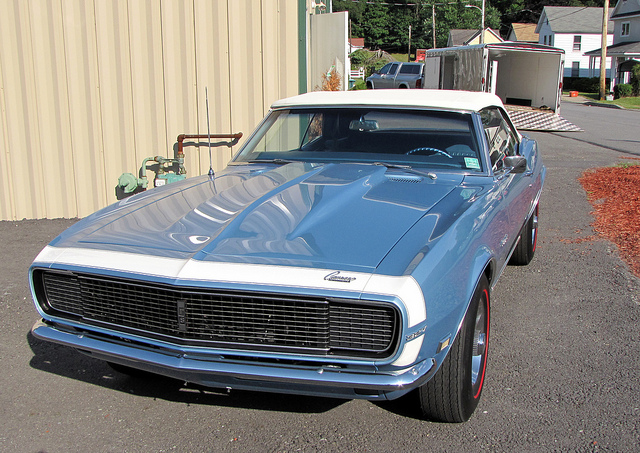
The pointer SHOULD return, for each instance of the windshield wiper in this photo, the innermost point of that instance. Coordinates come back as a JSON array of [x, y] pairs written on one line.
[[408, 169], [271, 161]]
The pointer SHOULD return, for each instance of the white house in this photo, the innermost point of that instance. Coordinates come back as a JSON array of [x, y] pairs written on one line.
[[626, 39], [576, 30]]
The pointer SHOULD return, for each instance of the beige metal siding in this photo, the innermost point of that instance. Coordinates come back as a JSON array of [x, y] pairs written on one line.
[[90, 88]]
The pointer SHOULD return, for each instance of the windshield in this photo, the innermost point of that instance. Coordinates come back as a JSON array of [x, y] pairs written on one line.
[[416, 138]]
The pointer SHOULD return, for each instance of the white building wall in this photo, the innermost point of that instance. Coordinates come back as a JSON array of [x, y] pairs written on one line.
[[545, 34], [589, 42]]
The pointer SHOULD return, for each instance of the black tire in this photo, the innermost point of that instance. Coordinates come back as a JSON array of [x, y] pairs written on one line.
[[452, 395], [526, 248], [369, 86]]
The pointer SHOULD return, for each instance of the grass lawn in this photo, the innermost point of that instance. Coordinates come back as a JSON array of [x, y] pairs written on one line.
[[400, 57], [627, 103]]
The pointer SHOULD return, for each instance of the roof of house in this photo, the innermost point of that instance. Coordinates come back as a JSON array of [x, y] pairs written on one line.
[[625, 9], [525, 32], [458, 37], [462, 37], [573, 19], [438, 99], [623, 49], [356, 42]]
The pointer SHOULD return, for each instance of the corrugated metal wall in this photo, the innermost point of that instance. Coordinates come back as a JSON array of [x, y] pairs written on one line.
[[90, 88]]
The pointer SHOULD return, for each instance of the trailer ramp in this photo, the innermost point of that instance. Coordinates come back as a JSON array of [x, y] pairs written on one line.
[[532, 119]]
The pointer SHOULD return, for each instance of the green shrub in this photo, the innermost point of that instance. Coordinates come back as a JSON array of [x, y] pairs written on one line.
[[623, 90], [582, 84], [635, 79], [359, 57]]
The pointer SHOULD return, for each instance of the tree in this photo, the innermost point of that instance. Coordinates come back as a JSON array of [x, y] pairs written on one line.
[[385, 24]]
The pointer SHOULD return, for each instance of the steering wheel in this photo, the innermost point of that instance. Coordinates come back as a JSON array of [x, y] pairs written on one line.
[[429, 150]]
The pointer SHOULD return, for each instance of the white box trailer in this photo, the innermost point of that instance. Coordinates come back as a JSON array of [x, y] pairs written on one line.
[[525, 76]]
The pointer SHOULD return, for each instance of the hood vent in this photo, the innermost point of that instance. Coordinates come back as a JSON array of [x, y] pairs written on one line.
[[409, 179]]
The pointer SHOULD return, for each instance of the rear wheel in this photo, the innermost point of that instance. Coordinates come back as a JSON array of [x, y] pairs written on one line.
[[452, 395], [526, 248]]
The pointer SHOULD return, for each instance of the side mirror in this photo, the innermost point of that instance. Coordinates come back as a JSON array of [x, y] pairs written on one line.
[[518, 164]]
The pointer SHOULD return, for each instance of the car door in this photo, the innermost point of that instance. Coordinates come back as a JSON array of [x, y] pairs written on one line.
[[387, 80], [513, 188], [407, 76]]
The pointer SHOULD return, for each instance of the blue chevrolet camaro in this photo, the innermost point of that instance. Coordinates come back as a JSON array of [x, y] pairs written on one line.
[[348, 250]]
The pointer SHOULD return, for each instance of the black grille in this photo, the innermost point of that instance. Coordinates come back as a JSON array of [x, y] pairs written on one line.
[[320, 326]]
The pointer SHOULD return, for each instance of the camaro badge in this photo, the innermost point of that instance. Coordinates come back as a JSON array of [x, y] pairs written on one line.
[[336, 277]]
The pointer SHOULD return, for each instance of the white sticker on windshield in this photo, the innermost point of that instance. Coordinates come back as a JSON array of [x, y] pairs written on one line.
[[472, 162]]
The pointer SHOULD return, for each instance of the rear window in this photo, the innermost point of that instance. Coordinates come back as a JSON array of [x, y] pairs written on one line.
[[410, 69]]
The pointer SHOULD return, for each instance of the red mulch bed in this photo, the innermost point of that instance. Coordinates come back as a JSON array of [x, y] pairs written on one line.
[[614, 193]]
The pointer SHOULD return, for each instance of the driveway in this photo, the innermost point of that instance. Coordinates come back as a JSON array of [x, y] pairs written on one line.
[[564, 357]]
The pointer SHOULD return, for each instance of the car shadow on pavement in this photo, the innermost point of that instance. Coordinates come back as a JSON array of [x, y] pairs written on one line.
[[69, 363]]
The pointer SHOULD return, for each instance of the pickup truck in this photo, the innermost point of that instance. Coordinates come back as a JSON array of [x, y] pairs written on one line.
[[397, 75]]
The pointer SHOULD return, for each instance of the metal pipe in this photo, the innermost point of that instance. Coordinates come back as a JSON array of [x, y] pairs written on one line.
[[182, 137]]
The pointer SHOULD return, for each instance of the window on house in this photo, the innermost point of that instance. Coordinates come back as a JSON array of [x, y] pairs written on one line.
[[551, 40], [575, 69], [577, 41], [625, 29], [545, 40]]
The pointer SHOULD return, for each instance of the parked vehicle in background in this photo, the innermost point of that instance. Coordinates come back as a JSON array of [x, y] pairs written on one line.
[[349, 250], [518, 73], [397, 75]]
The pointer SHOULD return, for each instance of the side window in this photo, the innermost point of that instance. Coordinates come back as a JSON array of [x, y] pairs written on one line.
[[625, 29], [394, 68], [385, 69], [314, 130], [501, 138], [577, 42]]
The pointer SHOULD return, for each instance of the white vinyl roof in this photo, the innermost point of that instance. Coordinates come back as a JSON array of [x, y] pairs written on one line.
[[439, 99]]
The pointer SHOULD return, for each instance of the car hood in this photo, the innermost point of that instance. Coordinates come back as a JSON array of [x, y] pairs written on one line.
[[345, 216]]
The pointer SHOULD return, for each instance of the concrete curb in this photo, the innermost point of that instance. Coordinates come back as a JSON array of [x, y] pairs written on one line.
[[599, 104], [590, 103]]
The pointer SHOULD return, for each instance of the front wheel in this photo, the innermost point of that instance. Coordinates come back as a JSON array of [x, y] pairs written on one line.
[[452, 395]]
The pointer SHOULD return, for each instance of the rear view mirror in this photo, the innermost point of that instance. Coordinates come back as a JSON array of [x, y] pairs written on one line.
[[363, 125]]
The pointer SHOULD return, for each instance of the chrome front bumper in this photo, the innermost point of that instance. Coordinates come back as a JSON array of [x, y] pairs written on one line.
[[218, 371]]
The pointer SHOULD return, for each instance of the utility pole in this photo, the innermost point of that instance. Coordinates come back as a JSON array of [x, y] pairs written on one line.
[[409, 48], [603, 51], [433, 23], [482, 23]]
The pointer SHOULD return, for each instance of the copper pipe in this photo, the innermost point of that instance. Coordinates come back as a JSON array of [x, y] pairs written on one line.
[[182, 137]]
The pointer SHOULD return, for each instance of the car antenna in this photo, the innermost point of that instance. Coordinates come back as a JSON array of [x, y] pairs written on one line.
[[206, 97]]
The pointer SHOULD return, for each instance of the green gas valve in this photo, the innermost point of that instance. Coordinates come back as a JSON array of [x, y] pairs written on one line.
[[129, 183]]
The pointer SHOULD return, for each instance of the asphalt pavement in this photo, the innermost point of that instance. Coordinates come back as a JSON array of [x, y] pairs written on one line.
[[564, 354]]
